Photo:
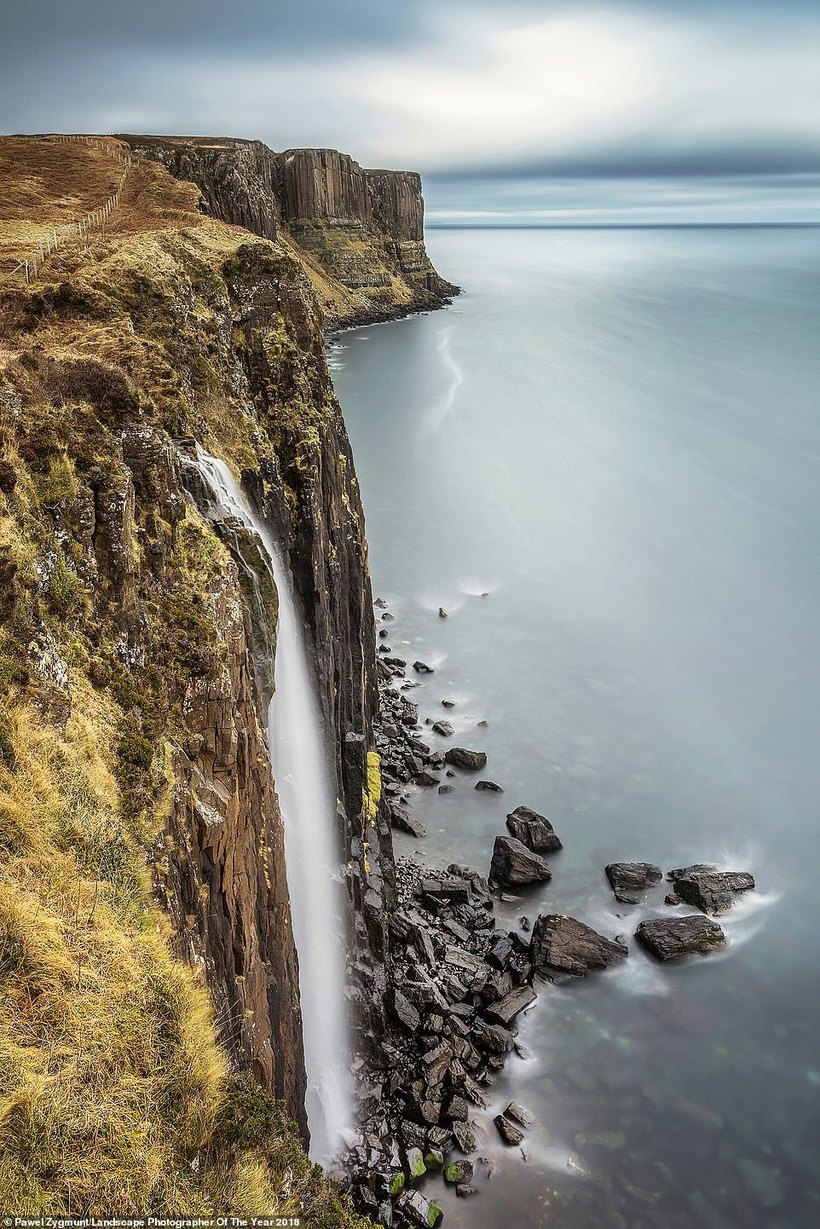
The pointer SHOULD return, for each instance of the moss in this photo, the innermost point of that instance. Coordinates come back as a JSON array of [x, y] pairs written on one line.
[[397, 1184], [59, 485]]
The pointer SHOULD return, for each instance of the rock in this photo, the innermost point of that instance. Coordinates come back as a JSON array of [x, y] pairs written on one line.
[[450, 887], [628, 878], [418, 1210], [512, 1004], [448, 703], [482, 725], [513, 864], [405, 822], [464, 1190], [434, 1158], [524, 923], [381, 603], [460, 757], [443, 728], [445, 789], [491, 787], [465, 1136], [442, 613], [405, 1011], [415, 1164], [533, 830], [672, 898], [421, 667], [564, 946], [508, 1131], [425, 778], [673, 937], [709, 888], [520, 1115]]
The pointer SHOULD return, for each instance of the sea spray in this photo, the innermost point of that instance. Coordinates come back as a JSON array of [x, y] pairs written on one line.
[[304, 783]]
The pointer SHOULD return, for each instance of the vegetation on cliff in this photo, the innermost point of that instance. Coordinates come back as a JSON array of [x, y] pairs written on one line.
[[150, 1048]]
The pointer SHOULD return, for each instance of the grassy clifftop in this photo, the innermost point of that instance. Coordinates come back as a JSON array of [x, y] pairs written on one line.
[[144, 1062]]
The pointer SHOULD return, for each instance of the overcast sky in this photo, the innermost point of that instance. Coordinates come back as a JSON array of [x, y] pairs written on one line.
[[530, 110]]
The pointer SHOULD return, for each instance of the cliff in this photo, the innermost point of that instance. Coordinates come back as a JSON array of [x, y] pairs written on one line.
[[360, 233], [150, 974]]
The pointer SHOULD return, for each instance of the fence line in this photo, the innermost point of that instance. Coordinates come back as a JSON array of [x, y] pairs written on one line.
[[85, 226]]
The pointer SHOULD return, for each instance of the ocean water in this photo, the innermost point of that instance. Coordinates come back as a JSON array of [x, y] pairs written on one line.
[[615, 436]]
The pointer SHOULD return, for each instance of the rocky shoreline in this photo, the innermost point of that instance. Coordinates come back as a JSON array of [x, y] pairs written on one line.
[[458, 982]]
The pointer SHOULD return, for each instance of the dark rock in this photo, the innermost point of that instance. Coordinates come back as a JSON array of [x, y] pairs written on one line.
[[442, 613], [448, 703], [418, 1210], [425, 778], [533, 830], [564, 946], [443, 728], [628, 878], [445, 789], [671, 938], [405, 1011], [513, 864], [405, 822], [508, 1131], [512, 1004], [460, 757], [672, 898], [421, 667], [524, 923], [709, 888], [465, 1136], [520, 1115], [491, 787], [446, 888], [458, 1171], [464, 1190]]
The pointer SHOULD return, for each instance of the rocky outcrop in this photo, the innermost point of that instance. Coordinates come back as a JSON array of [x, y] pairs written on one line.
[[361, 230], [675, 937]]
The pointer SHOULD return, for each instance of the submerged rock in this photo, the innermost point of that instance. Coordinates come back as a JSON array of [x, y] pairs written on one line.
[[442, 613], [674, 937], [489, 787], [513, 864], [533, 830], [563, 946], [460, 757], [709, 888], [628, 878]]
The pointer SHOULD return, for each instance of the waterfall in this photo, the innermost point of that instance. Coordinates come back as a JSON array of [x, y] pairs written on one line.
[[307, 797]]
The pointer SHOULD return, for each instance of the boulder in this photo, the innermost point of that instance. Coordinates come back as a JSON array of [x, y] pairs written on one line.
[[512, 1004], [460, 757], [673, 937], [421, 667], [520, 1115], [533, 830], [563, 946], [458, 1171], [491, 787], [508, 1131], [628, 878], [443, 728], [513, 864], [418, 1210], [709, 888]]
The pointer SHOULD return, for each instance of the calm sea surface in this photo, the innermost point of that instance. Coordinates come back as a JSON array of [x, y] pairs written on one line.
[[615, 435]]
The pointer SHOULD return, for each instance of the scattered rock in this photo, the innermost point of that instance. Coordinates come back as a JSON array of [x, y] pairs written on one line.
[[418, 1210], [508, 1131], [425, 778], [489, 787], [442, 613], [421, 667], [709, 888], [470, 761], [449, 703], [674, 937], [533, 830], [443, 728], [628, 878], [458, 1171], [445, 789], [563, 946], [513, 864], [520, 1115]]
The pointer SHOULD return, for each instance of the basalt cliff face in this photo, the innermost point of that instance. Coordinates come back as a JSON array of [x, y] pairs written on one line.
[[144, 914], [360, 232]]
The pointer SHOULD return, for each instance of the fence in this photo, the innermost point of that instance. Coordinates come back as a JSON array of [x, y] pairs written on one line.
[[82, 229]]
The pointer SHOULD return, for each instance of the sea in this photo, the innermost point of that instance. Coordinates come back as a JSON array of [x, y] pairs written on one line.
[[603, 461]]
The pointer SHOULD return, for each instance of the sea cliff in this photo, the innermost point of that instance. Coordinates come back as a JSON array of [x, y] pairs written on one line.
[[358, 233], [144, 911]]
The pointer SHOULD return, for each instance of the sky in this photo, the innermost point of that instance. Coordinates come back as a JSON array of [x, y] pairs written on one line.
[[524, 112]]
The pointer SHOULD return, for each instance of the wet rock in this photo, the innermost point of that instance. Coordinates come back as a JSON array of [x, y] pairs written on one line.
[[458, 1171], [465, 1136], [380, 602], [709, 888], [524, 923], [512, 1004], [444, 728], [513, 864], [442, 613], [418, 1210], [450, 887], [672, 898], [448, 703], [563, 946], [520, 1115], [405, 1011], [421, 667], [415, 1164], [674, 937], [627, 879], [464, 1190], [533, 830], [406, 822], [460, 757], [508, 1131], [490, 787], [425, 778], [445, 789]]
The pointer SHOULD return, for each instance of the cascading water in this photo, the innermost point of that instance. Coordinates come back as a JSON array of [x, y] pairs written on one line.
[[304, 783]]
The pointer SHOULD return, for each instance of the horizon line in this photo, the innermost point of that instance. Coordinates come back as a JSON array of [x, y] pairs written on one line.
[[621, 225]]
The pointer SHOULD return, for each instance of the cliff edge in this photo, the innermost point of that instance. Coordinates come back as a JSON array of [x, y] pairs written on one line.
[[359, 233]]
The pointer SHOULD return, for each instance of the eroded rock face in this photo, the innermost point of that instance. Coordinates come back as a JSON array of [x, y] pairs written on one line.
[[563, 946], [365, 228], [533, 830], [710, 889], [513, 865], [674, 937], [627, 879]]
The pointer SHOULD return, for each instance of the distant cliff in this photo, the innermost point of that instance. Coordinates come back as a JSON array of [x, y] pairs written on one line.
[[361, 232]]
